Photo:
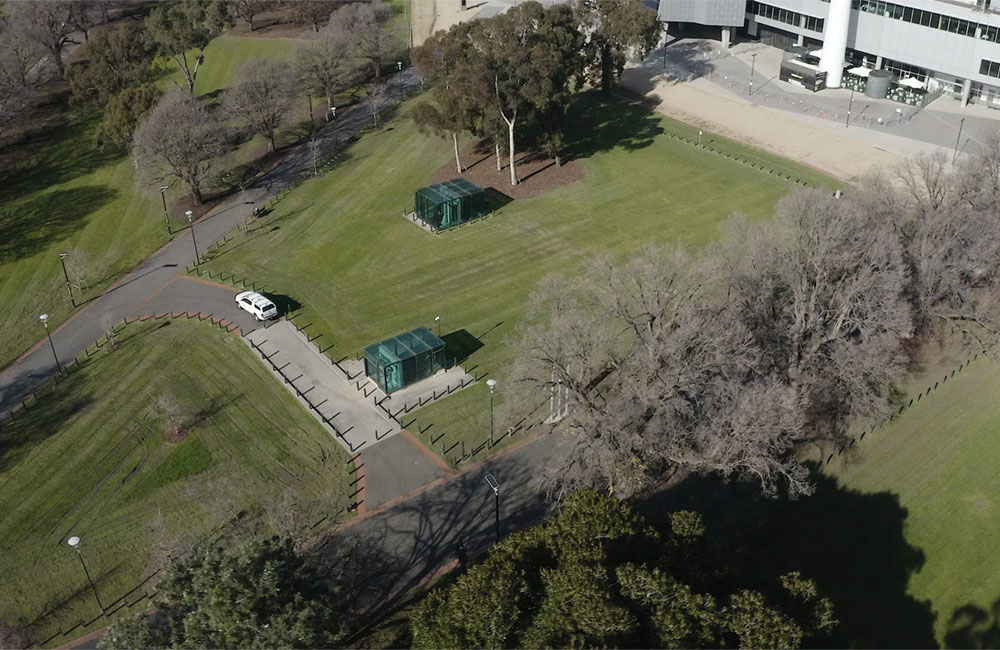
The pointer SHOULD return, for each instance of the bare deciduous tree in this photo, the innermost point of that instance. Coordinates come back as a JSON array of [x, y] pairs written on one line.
[[947, 222], [312, 12], [260, 96], [326, 65], [177, 413], [19, 54], [50, 24], [378, 98], [248, 10], [366, 22], [783, 333], [178, 138]]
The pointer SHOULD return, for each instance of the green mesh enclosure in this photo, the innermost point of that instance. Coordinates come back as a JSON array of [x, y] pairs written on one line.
[[404, 359], [448, 204]]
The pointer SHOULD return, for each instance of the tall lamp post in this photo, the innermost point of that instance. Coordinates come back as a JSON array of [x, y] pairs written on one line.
[[45, 321], [492, 383], [753, 65], [957, 140], [495, 486], [437, 321], [197, 257], [166, 216], [850, 105], [69, 287], [75, 543]]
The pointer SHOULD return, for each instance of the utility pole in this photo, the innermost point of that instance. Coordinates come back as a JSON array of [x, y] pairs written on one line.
[[166, 216], [69, 287], [957, 140], [753, 65]]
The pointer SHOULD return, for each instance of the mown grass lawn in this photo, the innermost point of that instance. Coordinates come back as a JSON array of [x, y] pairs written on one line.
[[66, 194], [941, 459], [340, 246], [91, 460]]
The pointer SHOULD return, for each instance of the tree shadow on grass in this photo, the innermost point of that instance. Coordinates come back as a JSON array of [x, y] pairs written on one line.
[[55, 154], [971, 626], [45, 418], [28, 228], [850, 543], [602, 123]]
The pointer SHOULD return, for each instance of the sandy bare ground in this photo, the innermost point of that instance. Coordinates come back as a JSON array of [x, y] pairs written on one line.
[[768, 129], [764, 128]]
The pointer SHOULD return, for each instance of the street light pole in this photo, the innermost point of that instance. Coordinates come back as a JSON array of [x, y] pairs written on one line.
[[495, 486], [45, 321], [957, 140], [850, 105], [664, 47], [69, 287], [753, 65], [492, 383], [166, 216], [75, 543], [197, 257], [437, 320]]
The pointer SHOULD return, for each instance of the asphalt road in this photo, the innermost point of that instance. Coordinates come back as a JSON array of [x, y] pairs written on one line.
[[150, 288]]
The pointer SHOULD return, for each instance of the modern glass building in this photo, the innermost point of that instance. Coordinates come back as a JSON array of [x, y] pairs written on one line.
[[450, 203], [948, 46], [404, 359]]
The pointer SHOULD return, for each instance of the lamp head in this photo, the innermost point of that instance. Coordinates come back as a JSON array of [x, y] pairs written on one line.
[[437, 318], [45, 319], [63, 256], [164, 188], [188, 213], [74, 541], [492, 383]]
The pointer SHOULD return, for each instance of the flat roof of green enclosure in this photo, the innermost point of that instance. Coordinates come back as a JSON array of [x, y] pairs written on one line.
[[449, 190], [404, 346]]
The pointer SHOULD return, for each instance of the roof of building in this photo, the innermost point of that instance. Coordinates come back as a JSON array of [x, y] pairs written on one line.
[[404, 346], [449, 190]]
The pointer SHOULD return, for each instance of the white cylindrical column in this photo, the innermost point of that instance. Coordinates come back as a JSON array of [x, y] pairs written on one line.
[[837, 22]]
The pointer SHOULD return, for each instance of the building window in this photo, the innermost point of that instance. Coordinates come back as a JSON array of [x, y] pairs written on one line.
[[990, 68], [928, 19], [785, 16]]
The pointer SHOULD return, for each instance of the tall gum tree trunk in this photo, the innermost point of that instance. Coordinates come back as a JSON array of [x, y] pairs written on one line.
[[196, 194], [458, 161], [605, 68], [510, 134], [499, 163]]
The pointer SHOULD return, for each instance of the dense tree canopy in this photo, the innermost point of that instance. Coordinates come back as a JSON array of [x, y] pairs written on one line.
[[179, 27], [597, 575], [615, 30], [264, 596], [115, 59]]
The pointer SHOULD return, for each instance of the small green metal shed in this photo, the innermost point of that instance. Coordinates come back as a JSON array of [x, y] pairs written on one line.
[[448, 204], [404, 359]]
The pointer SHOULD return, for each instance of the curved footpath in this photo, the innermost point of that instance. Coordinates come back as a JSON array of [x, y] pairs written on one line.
[[157, 284], [405, 534]]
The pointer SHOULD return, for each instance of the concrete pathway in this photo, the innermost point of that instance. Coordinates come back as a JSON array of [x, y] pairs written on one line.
[[359, 415], [393, 548], [140, 291]]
